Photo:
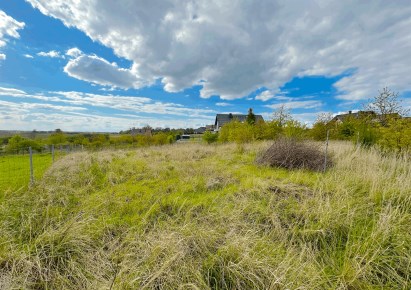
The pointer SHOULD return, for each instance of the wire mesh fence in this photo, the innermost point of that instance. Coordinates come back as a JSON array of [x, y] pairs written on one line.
[[23, 166]]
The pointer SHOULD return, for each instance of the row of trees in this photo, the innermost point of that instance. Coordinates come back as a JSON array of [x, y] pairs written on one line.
[[88, 140], [394, 133], [382, 123]]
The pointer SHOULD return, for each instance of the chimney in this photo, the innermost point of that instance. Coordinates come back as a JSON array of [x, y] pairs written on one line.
[[349, 112]]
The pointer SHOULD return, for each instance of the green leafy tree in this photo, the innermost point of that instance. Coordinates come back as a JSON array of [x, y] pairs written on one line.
[[321, 126], [294, 129], [347, 129], [236, 131], [57, 138], [269, 130], [17, 143], [367, 134], [396, 135]]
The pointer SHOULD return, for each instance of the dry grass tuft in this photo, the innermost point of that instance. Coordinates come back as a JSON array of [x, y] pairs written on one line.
[[294, 154]]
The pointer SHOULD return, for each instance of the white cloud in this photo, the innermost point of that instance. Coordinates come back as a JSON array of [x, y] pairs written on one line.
[[264, 43], [74, 52], [28, 56], [28, 116], [92, 68], [48, 108], [297, 105], [223, 104], [279, 96], [132, 104], [265, 96], [8, 28], [51, 53], [2, 56], [11, 92]]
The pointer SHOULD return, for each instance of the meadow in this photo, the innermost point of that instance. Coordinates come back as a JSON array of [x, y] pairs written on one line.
[[197, 216], [15, 169]]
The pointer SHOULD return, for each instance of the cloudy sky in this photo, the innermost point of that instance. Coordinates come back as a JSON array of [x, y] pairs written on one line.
[[110, 65]]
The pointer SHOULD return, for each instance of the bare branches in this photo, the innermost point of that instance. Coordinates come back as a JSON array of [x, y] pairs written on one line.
[[386, 104]]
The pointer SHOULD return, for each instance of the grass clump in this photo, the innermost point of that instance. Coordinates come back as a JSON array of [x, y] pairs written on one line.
[[291, 153]]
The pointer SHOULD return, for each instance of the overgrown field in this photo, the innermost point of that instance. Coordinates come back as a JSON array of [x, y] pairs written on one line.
[[192, 216]]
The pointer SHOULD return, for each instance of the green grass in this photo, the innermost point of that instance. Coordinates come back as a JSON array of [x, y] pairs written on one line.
[[15, 169], [192, 216]]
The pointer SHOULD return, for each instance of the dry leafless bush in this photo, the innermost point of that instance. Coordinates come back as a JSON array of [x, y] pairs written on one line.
[[294, 154]]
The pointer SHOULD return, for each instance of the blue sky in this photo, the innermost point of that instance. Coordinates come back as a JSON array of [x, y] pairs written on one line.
[[111, 65]]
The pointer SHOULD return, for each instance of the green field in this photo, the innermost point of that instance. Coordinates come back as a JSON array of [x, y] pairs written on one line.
[[15, 170], [193, 216]]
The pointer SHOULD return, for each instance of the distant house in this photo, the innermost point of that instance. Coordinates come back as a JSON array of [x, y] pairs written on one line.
[[360, 114], [200, 130], [371, 115], [210, 128], [141, 131], [222, 119]]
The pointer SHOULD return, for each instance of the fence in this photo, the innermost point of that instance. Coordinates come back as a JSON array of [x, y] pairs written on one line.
[[23, 166]]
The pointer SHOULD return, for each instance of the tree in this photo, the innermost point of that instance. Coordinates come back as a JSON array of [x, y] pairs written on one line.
[[250, 117], [57, 138], [321, 126], [282, 115], [386, 105], [396, 136], [17, 143]]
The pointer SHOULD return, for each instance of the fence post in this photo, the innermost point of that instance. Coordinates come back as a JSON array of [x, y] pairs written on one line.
[[326, 150], [52, 152], [31, 166], [358, 139]]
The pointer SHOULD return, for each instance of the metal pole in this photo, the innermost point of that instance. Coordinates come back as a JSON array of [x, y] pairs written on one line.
[[31, 166], [358, 139], [326, 150], [52, 152]]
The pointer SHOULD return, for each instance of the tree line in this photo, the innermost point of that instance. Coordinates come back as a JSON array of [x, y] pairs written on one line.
[[382, 123]]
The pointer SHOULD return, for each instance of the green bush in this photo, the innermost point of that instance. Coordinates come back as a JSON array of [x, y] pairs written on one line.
[[238, 132], [396, 136], [210, 137], [17, 143]]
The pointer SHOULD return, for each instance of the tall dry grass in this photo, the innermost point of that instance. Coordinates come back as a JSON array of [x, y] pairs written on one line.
[[207, 217]]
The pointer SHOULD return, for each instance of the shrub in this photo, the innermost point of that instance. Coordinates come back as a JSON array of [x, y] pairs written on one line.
[[236, 131], [292, 154], [210, 137], [17, 143], [294, 129]]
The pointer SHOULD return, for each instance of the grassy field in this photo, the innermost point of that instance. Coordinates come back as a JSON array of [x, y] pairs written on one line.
[[192, 216], [15, 170]]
